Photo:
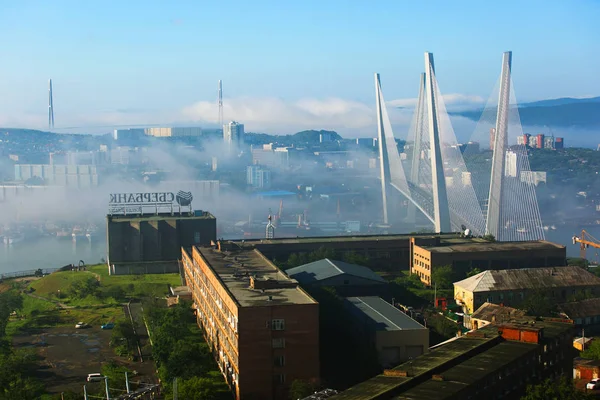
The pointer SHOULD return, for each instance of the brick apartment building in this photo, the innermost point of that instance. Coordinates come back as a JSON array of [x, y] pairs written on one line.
[[264, 328]]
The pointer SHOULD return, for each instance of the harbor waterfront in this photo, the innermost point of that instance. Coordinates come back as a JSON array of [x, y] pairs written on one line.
[[50, 252]]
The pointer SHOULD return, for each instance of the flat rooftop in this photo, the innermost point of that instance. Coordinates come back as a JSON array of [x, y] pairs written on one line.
[[461, 362], [236, 268], [381, 315], [161, 216], [484, 246], [469, 372], [331, 239]]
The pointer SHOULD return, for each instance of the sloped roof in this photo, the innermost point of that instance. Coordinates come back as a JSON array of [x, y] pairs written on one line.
[[581, 309], [326, 268], [488, 311], [380, 314], [528, 278]]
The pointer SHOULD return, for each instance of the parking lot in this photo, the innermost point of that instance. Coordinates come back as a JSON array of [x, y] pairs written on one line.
[[68, 355]]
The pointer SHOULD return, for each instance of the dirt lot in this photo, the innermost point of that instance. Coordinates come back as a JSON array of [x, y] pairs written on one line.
[[68, 355]]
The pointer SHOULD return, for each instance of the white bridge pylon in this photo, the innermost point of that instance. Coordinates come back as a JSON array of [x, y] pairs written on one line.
[[437, 181]]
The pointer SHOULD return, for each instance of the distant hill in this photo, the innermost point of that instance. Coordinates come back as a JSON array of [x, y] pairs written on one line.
[[563, 113], [313, 136], [559, 102]]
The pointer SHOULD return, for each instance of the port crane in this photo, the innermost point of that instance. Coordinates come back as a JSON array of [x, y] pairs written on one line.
[[586, 240]]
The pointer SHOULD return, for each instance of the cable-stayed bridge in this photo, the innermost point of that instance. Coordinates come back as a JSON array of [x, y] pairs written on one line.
[[440, 178]]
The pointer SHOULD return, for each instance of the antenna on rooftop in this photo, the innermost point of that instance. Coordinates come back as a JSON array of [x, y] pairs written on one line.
[[220, 103], [50, 107]]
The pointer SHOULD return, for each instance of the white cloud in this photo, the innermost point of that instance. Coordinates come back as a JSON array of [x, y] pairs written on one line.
[[274, 114], [269, 115]]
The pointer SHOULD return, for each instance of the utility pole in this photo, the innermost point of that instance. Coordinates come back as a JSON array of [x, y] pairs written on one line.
[[85, 396], [106, 386], [127, 383]]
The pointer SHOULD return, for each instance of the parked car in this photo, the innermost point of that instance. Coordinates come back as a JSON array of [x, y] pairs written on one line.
[[109, 325], [95, 377], [593, 384], [81, 325]]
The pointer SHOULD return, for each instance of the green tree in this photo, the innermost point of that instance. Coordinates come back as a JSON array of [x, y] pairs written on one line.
[[354, 258], [539, 304], [203, 388], [552, 389], [593, 351], [9, 301], [473, 271], [443, 276], [300, 389], [578, 262], [81, 289], [115, 374]]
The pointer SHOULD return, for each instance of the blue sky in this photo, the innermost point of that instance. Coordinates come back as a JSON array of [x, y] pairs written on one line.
[[118, 62]]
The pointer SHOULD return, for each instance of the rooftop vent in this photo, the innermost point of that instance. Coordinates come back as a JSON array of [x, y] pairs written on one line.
[[270, 298]]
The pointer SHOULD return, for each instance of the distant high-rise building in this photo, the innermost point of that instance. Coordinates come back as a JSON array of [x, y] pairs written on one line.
[[233, 134], [512, 164], [540, 141], [492, 138], [128, 134], [549, 142], [466, 179], [258, 177], [174, 132], [559, 143], [533, 177], [523, 139], [214, 164], [532, 141]]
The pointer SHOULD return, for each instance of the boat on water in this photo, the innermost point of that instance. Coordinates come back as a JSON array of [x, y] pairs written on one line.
[[522, 230], [13, 238]]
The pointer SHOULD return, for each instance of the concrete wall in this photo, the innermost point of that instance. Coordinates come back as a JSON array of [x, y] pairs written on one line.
[[406, 341], [138, 268], [135, 239]]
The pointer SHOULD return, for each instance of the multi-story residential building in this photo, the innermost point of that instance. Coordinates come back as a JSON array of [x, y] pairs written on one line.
[[263, 326], [277, 157], [467, 254], [511, 287], [549, 142], [533, 177], [233, 134], [512, 164], [559, 143], [495, 362], [174, 132], [492, 138], [540, 140], [258, 177], [74, 176]]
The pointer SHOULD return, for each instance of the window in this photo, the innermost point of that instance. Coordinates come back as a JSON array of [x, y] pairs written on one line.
[[279, 379], [346, 282], [278, 343], [196, 237], [279, 361], [278, 324]]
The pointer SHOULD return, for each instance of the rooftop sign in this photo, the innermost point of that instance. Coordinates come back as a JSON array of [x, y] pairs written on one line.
[[136, 203]]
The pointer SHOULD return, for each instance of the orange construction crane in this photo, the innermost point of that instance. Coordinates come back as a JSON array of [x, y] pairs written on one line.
[[586, 240]]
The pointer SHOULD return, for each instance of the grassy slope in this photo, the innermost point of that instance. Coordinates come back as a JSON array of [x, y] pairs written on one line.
[[39, 313]]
